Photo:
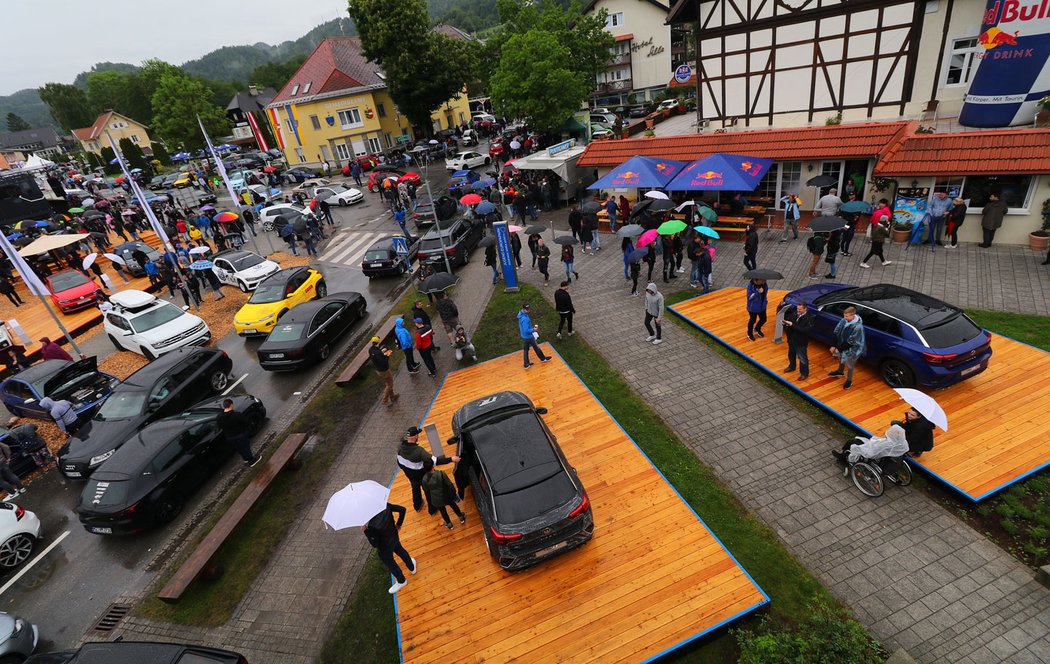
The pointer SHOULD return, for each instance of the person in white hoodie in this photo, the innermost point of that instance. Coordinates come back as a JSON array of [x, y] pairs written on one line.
[[654, 313]]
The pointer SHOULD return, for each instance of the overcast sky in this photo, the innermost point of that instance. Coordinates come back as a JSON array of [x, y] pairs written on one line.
[[54, 40]]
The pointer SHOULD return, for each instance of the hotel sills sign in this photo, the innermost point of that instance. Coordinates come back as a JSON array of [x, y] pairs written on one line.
[[648, 43]]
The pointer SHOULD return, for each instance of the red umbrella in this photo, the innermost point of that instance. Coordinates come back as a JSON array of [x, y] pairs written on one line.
[[313, 204], [101, 203], [119, 180], [471, 199], [226, 217], [269, 169]]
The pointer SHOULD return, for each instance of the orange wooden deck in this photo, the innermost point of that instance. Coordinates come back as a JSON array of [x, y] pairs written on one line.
[[652, 578], [998, 428]]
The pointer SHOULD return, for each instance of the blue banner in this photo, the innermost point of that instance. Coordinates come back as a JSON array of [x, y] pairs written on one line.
[[506, 255]]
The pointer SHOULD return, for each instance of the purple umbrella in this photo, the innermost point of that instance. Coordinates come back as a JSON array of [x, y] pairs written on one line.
[[647, 238]]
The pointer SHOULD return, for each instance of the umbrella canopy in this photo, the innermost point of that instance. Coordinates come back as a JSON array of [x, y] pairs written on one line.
[[206, 208], [685, 205], [136, 170], [766, 275], [647, 238], [671, 227], [119, 180], [925, 404], [438, 282], [826, 224], [89, 260], [485, 207], [201, 265], [127, 213], [26, 225], [821, 181], [200, 250], [226, 217], [269, 169], [46, 243], [60, 218], [591, 207], [88, 202], [102, 203], [641, 207], [637, 254], [94, 214], [356, 503], [732, 172], [656, 194], [640, 172], [514, 145], [708, 213], [41, 224], [14, 236], [660, 205], [487, 241], [708, 231], [471, 199], [76, 210], [159, 198], [180, 156], [536, 229], [115, 258], [514, 229], [630, 230], [856, 206], [565, 239]]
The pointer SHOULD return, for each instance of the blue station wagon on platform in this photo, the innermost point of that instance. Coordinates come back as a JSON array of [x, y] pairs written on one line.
[[913, 340], [80, 383]]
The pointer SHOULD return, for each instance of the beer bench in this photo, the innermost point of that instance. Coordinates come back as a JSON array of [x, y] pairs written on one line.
[[361, 358], [732, 224]]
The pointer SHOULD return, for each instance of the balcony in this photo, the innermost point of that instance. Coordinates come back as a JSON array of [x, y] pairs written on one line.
[[609, 87], [619, 59]]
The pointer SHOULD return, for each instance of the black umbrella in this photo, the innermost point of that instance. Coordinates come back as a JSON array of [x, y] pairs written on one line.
[[565, 239], [827, 224], [487, 241], [767, 275], [92, 214], [660, 204], [591, 207], [536, 229], [821, 181], [641, 207], [439, 282], [630, 230]]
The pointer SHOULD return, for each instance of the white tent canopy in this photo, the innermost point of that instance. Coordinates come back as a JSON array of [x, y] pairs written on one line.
[[563, 163], [35, 163], [46, 243]]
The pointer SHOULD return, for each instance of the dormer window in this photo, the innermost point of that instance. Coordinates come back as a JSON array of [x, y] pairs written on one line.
[[295, 89], [306, 88]]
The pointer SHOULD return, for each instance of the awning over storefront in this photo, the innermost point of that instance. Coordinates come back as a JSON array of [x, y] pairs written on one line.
[[563, 163]]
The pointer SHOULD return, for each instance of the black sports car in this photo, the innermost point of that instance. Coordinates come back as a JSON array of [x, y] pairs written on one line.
[[147, 480], [164, 387], [307, 333], [531, 502]]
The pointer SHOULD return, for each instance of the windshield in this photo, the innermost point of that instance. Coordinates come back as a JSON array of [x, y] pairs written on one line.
[[165, 313], [245, 262], [105, 493], [288, 332], [121, 405], [336, 189], [378, 255], [957, 330], [430, 244], [268, 292], [66, 280]]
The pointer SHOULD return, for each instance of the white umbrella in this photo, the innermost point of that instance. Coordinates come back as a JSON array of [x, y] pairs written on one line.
[[433, 141], [127, 213], [87, 202], [925, 404], [355, 504], [200, 250], [656, 194], [514, 145], [115, 258], [89, 259], [685, 205]]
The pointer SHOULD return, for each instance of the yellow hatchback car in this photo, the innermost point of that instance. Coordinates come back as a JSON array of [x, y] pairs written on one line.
[[185, 180], [274, 296]]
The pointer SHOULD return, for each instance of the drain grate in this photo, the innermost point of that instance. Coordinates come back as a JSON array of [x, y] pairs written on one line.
[[111, 618]]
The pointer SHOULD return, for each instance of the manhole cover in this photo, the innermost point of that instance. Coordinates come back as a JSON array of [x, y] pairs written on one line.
[[111, 618]]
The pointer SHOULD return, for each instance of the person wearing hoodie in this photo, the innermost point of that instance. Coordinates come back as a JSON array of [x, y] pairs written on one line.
[[918, 430], [425, 345], [757, 302], [529, 333], [893, 444], [412, 460], [992, 218], [49, 350], [406, 344], [563, 304], [849, 344], [654, 313], [62, 412], [750, 247]]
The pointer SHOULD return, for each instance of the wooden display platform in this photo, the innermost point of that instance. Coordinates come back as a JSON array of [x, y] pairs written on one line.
[[998, 431], [652, 579]]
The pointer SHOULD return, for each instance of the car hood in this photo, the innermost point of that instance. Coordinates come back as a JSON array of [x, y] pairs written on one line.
[[251, 313], [173, 327], [97, 436], [77, 291], [86, 366], [260, 270]]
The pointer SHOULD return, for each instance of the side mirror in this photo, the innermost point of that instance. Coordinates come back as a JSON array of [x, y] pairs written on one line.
[[541, 411], [185, 307]]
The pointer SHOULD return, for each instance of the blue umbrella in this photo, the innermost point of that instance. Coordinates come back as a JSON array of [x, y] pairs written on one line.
[[14, 236], [114, 161], [42, 224], [709, 232], [136, 170], [201, 265], [484, 182], [180, 156], [637, 254], [725, 172], [640, 172], [856, 206], [225, 146], [485, 207]]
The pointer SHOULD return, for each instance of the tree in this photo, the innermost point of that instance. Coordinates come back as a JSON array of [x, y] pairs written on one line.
[[69, 105], [132, 154], [178, 101], [276, 74], [16, 123], [160, 153], [121, 92]]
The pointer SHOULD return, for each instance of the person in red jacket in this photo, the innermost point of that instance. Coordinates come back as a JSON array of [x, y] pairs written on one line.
[[425, 345]]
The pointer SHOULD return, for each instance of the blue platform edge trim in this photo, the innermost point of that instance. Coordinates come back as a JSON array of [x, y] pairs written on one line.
[[692, 638], [845, 420]]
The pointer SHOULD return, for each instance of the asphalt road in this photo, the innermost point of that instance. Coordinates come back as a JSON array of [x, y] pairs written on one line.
[[73, 575]]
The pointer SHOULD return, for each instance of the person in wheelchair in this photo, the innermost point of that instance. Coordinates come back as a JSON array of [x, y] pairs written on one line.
[[894, 445], [919, 432]]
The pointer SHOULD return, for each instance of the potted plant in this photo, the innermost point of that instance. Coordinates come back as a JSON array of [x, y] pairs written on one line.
[[901, 231], [1040, 240]]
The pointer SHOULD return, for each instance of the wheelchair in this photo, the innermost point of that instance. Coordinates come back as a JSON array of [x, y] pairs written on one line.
[[872, 475]]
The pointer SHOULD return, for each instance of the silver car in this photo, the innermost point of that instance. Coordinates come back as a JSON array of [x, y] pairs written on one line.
[[18, 638]]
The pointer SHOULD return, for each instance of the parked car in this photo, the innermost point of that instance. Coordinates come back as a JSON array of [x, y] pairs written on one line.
[[274, 296], [71, 290], [670, 104], [480, 116], [268, 215], [469, 138], [337, 194], [299, 174], [306, 187], [156, 183], [307, 333], [19, 638], [367, 162], [496, 148], [603, 118], [382, 259], [639, 112], [463, 178], [139, 652], [169, 180], [147, 479], [151, 327], [126, 250], [460, 238], [162, 388], [184, 179], [243, 269], [600, 130], [19, 531], [467, 160], [80, 383], [530, 500], [914, 340]]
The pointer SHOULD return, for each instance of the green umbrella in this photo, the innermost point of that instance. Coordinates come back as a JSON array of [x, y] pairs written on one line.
[[671, 227], [708, 213], [76, 210]]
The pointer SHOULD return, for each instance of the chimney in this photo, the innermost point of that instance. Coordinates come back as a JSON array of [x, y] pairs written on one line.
[[253, 91]]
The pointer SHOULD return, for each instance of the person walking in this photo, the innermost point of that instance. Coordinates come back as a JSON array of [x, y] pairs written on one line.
[[654, 314], [412, 458], [992, 218], [236, 428], [611, 209], [49, 350], [406, 343], [529, 333], [441, 494], [214, 283], [938, 209], [650, 259], [626, 247], [515, 248], [850, 229], [380, 358], [792, 213], [590, 223], [492, 261], [879, 232], [532, 244], [750, 247], [8, 289], [757, 302], [667, 256], [636, 270], [568, 257], [543, 260], [326, 211], [425, 344], [815, 245], [9, 480], [448, 312], [355, 172], [829, 204], [849, 344], [834, 241], [563, 305], [381, 532], [956, 217], [576, 222], [798, 323]]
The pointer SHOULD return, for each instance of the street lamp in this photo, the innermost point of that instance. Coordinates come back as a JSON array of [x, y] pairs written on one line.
[[423, 165]]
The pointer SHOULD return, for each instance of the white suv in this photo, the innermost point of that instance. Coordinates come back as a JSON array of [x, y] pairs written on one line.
[[143, 324]]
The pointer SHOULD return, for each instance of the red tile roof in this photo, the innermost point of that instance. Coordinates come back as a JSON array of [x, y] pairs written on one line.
[[971, 153], [851, 141], [95, 130], [336, 64]]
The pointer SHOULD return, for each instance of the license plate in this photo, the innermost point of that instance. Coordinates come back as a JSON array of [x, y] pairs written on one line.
[[375, 265], [249, 331], [276, 356], [971, 370], [72, 473], [101, 531], [552, 548]]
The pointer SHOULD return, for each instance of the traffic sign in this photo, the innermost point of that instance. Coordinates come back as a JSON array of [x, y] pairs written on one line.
[[400, 246]]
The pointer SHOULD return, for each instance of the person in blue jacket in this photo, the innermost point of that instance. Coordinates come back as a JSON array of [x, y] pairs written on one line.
[[757, 301], [529, 333], [405, 342]]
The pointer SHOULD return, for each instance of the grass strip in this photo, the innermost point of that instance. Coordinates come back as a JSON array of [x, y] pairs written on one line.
[[1026, 328]]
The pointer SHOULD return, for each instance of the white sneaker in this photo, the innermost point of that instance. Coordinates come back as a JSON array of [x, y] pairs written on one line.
[[397, 586], [681, 270], [415, 566], [865, 265], [572, 333], [885, 263], [650, 337], [657, 342]]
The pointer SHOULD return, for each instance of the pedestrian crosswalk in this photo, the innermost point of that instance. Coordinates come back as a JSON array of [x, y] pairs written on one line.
[[349, 247]]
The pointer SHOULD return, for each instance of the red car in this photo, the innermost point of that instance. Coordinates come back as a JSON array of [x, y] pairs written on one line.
[[72, 290], [495, 149], [380, 173]]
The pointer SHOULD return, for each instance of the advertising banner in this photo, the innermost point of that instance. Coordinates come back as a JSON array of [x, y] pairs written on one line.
[[910, 204], [506, 256]]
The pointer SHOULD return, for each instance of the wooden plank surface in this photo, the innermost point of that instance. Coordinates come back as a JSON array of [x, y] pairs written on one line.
[[998, 429], [652, 577]]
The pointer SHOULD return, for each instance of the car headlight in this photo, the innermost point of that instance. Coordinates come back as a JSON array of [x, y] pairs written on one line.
[[95, 460], [19, 626]]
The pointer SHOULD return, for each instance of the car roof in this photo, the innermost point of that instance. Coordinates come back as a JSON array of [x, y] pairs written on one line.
[[233, 254], [282, 275], [44, 369], [445, 231], [905, 304], [138, 451], [147, 375], [131, 246], [515, 451]]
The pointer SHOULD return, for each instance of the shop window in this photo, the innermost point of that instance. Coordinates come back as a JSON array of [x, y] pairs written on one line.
[[342, 151], [962, 61], [1016, 190], [950, 186], [314, 122], [350, 117], [833, 169], [374, 146], [790, 178]]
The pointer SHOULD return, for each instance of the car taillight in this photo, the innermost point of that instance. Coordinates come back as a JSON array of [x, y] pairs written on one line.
[[127, 512], [450, 250], [501, 538], [584, 504], [933, 358], [19, 513]]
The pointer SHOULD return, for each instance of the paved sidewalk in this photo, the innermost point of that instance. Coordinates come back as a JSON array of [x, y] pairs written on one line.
[[290, 609], [912, 573]]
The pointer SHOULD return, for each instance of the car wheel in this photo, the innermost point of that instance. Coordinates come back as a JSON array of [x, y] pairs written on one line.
[[13, 659], [488, 160], [897, 373], [167, 509], [322, 289], [148, 355], [267, 226], [243, 286], [113, 340], [323, 352], [362, 311], [16, 550], [342, 202], [218, 381]]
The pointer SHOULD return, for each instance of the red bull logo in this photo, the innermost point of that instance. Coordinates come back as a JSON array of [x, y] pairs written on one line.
[[750, 169], [661, 167], [993, 37], [1012, 10], [708, 179], [627, 177]]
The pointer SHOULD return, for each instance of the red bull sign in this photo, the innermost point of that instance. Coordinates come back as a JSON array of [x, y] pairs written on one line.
[[708, 179], [626, 179]]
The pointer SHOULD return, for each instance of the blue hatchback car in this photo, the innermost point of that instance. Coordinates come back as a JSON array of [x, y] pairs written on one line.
[[913, 340], [80, 383], [462, 178]]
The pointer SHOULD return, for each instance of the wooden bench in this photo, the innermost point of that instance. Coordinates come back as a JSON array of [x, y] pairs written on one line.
[[361, 358], [201, 557], [732, 224]]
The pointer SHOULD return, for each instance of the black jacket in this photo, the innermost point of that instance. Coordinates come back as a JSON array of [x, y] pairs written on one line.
[[381, 530], [815, 244], [751, 241], [418, 312], [799, 330], [563, 302], [919, 434], [447, 310], [411, 459]]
